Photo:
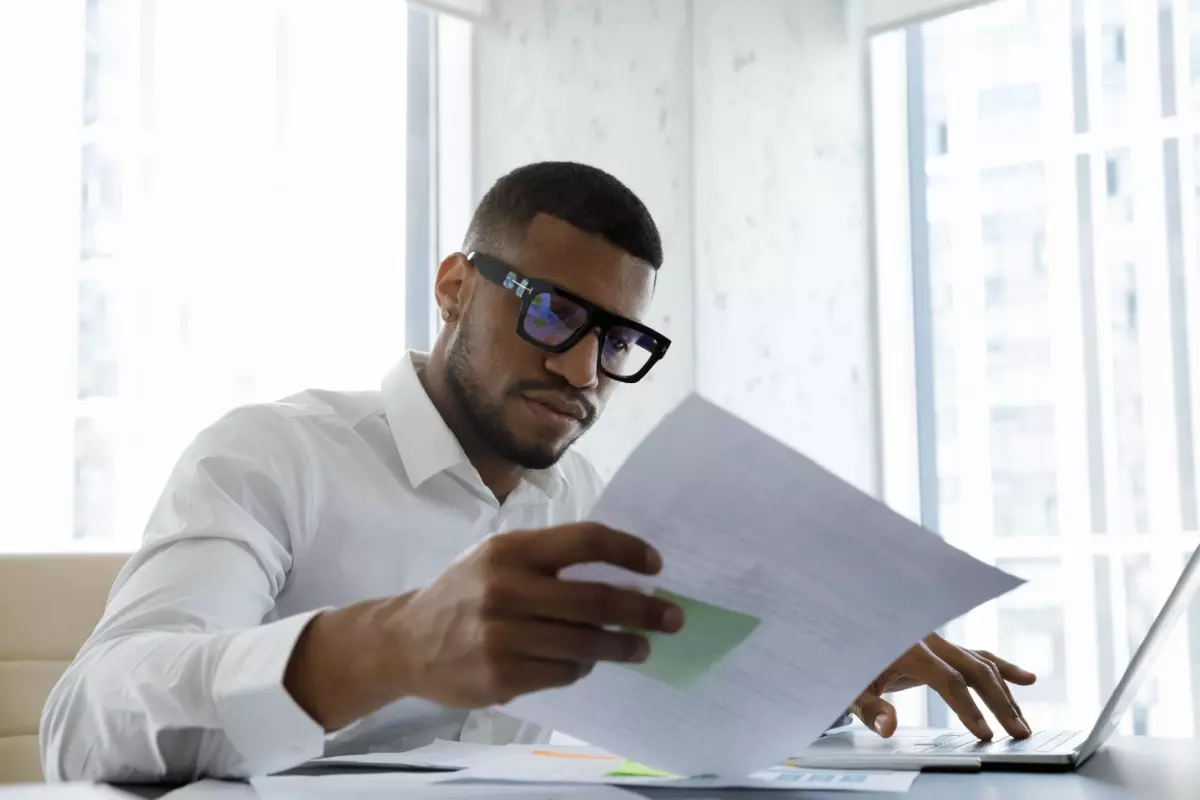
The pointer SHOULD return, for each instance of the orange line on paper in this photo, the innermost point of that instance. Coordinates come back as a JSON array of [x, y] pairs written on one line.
[[584, 756]]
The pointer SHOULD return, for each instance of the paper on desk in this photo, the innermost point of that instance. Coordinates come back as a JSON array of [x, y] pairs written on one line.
[[392, 784], [817, 588], [439, 754], [528, 764]]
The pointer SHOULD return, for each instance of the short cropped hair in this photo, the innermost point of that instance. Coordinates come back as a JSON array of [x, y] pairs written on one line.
[[587, 198]]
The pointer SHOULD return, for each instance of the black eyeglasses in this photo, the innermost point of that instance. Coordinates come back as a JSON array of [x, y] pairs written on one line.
[[555, 320]]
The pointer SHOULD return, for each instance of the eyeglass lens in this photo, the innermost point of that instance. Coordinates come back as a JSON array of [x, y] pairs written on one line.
[[553, 319]]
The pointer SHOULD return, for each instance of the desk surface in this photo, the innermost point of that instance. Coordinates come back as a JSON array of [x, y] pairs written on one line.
[[1126, 769]]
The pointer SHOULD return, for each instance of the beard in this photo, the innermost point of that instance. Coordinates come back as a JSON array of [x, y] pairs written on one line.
[[486, 415]]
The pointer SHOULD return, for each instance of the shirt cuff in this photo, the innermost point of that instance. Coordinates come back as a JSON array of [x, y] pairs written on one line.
[[264, 724]]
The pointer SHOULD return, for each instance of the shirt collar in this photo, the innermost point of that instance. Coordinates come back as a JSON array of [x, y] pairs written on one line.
[[426, 444]]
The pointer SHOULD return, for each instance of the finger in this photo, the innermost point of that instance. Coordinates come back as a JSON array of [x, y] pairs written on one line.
[[553, 641], [922, 663], [1009, 694], [1007, 691], [876, 713], [553, 549], [984, 677], [589, 603], [1010, 671], [900, 683]]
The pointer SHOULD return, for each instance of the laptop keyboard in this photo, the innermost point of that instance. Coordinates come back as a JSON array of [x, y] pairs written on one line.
[[955, 743]]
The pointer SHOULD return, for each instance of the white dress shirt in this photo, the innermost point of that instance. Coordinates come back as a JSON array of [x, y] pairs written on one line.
[[274, 513]]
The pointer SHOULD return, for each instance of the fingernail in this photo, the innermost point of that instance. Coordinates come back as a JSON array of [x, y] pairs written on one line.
[[1025, 726], [641, 652], [878, 725], [672, 619]]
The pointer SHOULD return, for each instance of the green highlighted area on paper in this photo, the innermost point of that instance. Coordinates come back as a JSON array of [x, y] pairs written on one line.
[[632, 769], [709, 633]]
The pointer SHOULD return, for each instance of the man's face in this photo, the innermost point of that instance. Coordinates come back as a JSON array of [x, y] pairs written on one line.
[[527, 404]]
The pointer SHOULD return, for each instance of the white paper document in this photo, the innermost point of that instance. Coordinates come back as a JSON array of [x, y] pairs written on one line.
[[797, 589], [439, 754], [396, 784], [528, 764]]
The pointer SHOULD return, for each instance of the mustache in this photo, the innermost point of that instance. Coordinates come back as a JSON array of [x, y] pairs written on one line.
[[562, 388]]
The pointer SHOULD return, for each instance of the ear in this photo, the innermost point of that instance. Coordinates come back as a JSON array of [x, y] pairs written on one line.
[[451, 285]]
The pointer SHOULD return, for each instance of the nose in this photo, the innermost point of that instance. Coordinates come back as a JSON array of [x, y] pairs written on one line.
[[578, 365]]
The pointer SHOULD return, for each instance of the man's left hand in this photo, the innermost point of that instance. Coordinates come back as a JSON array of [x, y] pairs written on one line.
[[951, 671]]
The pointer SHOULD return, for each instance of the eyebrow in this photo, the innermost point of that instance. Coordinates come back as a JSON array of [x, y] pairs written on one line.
[[522, 273]]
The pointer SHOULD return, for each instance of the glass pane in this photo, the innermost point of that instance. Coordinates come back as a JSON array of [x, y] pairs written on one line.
[[1021, 217], [1143, 600], [1020, 378], [1159, 706], [101, 202], [1119, 261], [1129, 595], [1010, 85], [242, 176], [1114, 72], [1033, 634], [95, 480], [97, 359], [942, 271]]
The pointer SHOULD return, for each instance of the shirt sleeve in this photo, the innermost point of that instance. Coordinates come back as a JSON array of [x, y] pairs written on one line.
[[181, 680]]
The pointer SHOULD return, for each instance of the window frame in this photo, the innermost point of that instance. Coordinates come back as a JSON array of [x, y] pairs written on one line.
[[904, 341], [438, 197], [420, 236]]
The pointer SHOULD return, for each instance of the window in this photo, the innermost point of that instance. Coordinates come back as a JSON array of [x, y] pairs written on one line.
[[255, 211], [1039, 281]]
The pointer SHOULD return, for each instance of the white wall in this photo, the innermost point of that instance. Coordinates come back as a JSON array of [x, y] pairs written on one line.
[[783, 302], [742, 126], [607, 84]]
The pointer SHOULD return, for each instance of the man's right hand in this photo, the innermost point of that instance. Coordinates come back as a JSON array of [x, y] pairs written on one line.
[[498, 623]]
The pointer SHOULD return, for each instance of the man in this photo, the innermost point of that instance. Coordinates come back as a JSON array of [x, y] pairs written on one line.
[[321, 576]]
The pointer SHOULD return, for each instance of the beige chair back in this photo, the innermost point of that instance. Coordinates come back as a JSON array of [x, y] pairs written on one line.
[[49, 605]]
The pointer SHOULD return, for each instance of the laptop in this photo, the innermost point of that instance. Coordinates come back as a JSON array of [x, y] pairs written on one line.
[[855, 747]]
